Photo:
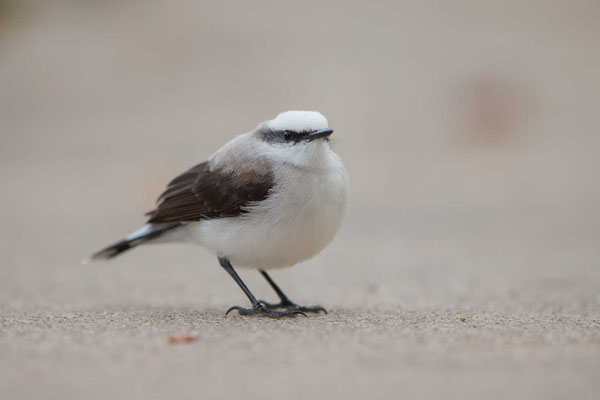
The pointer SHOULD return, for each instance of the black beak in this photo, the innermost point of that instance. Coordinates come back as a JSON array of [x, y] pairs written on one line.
[[320, 134]]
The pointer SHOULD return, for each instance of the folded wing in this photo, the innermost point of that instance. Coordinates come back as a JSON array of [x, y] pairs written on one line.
[[202, 193]]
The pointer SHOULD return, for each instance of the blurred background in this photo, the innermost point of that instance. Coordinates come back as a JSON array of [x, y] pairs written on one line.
[[469, 129]]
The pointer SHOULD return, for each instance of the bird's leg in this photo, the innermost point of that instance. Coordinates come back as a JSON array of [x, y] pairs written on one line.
[[257, 308], [285, 302]]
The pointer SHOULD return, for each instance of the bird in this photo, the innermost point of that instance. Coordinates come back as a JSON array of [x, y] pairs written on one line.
[[268, 199]]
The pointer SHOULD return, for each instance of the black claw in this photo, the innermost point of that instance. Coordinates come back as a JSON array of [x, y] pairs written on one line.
[[233, 308], [314, 309]]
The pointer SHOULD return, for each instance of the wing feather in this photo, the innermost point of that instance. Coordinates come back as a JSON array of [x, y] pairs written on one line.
[[202, 193]]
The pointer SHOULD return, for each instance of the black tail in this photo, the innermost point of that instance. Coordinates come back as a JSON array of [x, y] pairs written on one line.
[[153, 231], [115, 249]]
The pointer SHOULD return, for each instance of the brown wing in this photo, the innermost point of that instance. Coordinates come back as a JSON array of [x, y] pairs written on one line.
[[200, 193]]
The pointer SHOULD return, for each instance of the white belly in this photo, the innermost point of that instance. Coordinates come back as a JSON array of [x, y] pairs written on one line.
[[300, 218]]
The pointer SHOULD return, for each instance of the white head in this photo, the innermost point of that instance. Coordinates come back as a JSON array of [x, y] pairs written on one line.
[[298, 121], [292, 128], [297, 137]]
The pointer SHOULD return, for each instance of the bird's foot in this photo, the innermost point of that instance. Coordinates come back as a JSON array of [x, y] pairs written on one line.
[[291, 306], [263, 311]]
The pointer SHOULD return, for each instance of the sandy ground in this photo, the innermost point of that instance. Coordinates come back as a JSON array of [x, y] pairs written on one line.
[[359, 353], [416, 327], [468, 263]]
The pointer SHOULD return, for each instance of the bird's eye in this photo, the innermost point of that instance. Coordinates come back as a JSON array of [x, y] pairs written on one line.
[[287, 134]]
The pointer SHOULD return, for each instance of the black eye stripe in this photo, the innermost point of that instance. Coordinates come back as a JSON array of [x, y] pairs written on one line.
[[294, 134], [284, 135]]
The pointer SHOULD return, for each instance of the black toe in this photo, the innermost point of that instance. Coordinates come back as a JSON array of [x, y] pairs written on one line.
[[290, 306], [263, 311]]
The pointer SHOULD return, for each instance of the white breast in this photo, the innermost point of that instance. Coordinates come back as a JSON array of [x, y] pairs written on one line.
[[299, 218]]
